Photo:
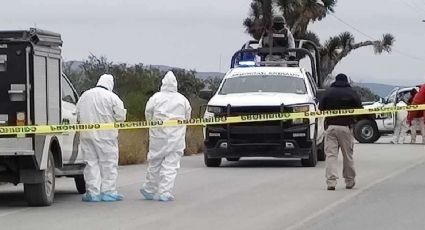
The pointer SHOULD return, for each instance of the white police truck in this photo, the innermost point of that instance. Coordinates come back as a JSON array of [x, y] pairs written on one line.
[[33, 91], [266, 87], [369, 128]]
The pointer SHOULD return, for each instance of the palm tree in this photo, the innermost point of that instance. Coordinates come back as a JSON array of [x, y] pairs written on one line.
[[299, 14], [260, 18], [339, 47]]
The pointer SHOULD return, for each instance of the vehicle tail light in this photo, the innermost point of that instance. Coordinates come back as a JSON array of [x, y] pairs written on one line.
[[20, 119]]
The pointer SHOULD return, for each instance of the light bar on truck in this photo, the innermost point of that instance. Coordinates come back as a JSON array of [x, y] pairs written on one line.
[[247, 64]]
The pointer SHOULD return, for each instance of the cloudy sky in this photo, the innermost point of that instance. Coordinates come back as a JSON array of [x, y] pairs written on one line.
[[197, 34]]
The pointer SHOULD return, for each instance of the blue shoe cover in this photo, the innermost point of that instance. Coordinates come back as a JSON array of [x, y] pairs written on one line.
[[147, 195], [112, 197], [166, 197], [90, 198]]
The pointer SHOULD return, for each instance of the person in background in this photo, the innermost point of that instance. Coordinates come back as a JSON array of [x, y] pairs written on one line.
[[279, 36], [100, 148], [401, 126], [338, 131], [416, 118], [166, 144]]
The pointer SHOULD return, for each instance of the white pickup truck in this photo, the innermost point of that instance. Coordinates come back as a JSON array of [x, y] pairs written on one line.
[[33, 91], [369, 128], [265, 89]]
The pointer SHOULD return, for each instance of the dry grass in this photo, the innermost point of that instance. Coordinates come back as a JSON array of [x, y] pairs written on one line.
[[194, 141], [134, 144]]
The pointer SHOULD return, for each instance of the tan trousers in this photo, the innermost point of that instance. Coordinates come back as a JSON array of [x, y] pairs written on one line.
[[339, 137], [417, 123]]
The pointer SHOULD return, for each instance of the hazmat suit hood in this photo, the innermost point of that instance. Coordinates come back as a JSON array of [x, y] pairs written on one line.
[[106, 81], [166, 144], [169, 83]]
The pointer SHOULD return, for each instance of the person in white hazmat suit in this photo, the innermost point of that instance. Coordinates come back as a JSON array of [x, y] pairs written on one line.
[[100, 148], [166, 144], [401, 126]]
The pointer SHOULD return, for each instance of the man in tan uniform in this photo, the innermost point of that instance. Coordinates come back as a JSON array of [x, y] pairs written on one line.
[[339, 132]]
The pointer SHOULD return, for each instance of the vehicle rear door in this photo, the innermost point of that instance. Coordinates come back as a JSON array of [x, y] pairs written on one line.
[[389, 118], [69, 116], [14, 82]]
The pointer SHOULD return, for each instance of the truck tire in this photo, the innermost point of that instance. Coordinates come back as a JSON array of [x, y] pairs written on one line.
[[366, 131], [80, 183], [212, 162], [321, 156], [233, 158], [312, 159], [42, 194]]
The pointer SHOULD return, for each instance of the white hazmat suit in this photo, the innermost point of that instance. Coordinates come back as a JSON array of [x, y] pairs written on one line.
[[166, 145], [100, 148], [401, 127]]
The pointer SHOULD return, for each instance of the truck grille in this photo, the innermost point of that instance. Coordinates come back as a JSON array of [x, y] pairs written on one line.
[[256, 132]]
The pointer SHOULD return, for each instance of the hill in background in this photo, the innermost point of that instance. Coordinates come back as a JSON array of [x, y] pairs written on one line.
[[381, 90]]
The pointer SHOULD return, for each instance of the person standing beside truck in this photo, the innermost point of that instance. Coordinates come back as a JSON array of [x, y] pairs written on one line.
[[100, 148], [401, 125], [338, 131], [415, 119], [166, 144]]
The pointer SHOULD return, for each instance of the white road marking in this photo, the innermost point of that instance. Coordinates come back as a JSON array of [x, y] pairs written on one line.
[[353, 195]]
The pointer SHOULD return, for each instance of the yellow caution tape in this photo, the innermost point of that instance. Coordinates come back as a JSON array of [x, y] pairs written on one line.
[[49, 129]]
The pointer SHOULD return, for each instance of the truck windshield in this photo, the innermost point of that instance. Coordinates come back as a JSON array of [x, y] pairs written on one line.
[[264, 83]]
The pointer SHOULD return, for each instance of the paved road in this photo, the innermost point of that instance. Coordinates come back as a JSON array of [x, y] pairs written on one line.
[[251, 194], [395, 204]]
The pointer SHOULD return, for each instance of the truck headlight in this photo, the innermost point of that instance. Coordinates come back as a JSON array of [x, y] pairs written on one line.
[[300, 109], [215, 110]]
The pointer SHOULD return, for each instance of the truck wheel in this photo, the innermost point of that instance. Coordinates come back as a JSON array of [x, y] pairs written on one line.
[[365, 131], [321, 156], [312, 159], [42, 194], [80, 183], [212, 162], [233, 158]]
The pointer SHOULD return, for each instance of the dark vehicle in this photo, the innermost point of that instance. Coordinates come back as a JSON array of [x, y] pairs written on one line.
[[33, 91]]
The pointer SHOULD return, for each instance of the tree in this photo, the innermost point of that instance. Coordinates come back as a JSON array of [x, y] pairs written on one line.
[[299, 14], [213, 83], [365, 94], [188, 84], [134, 84]]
